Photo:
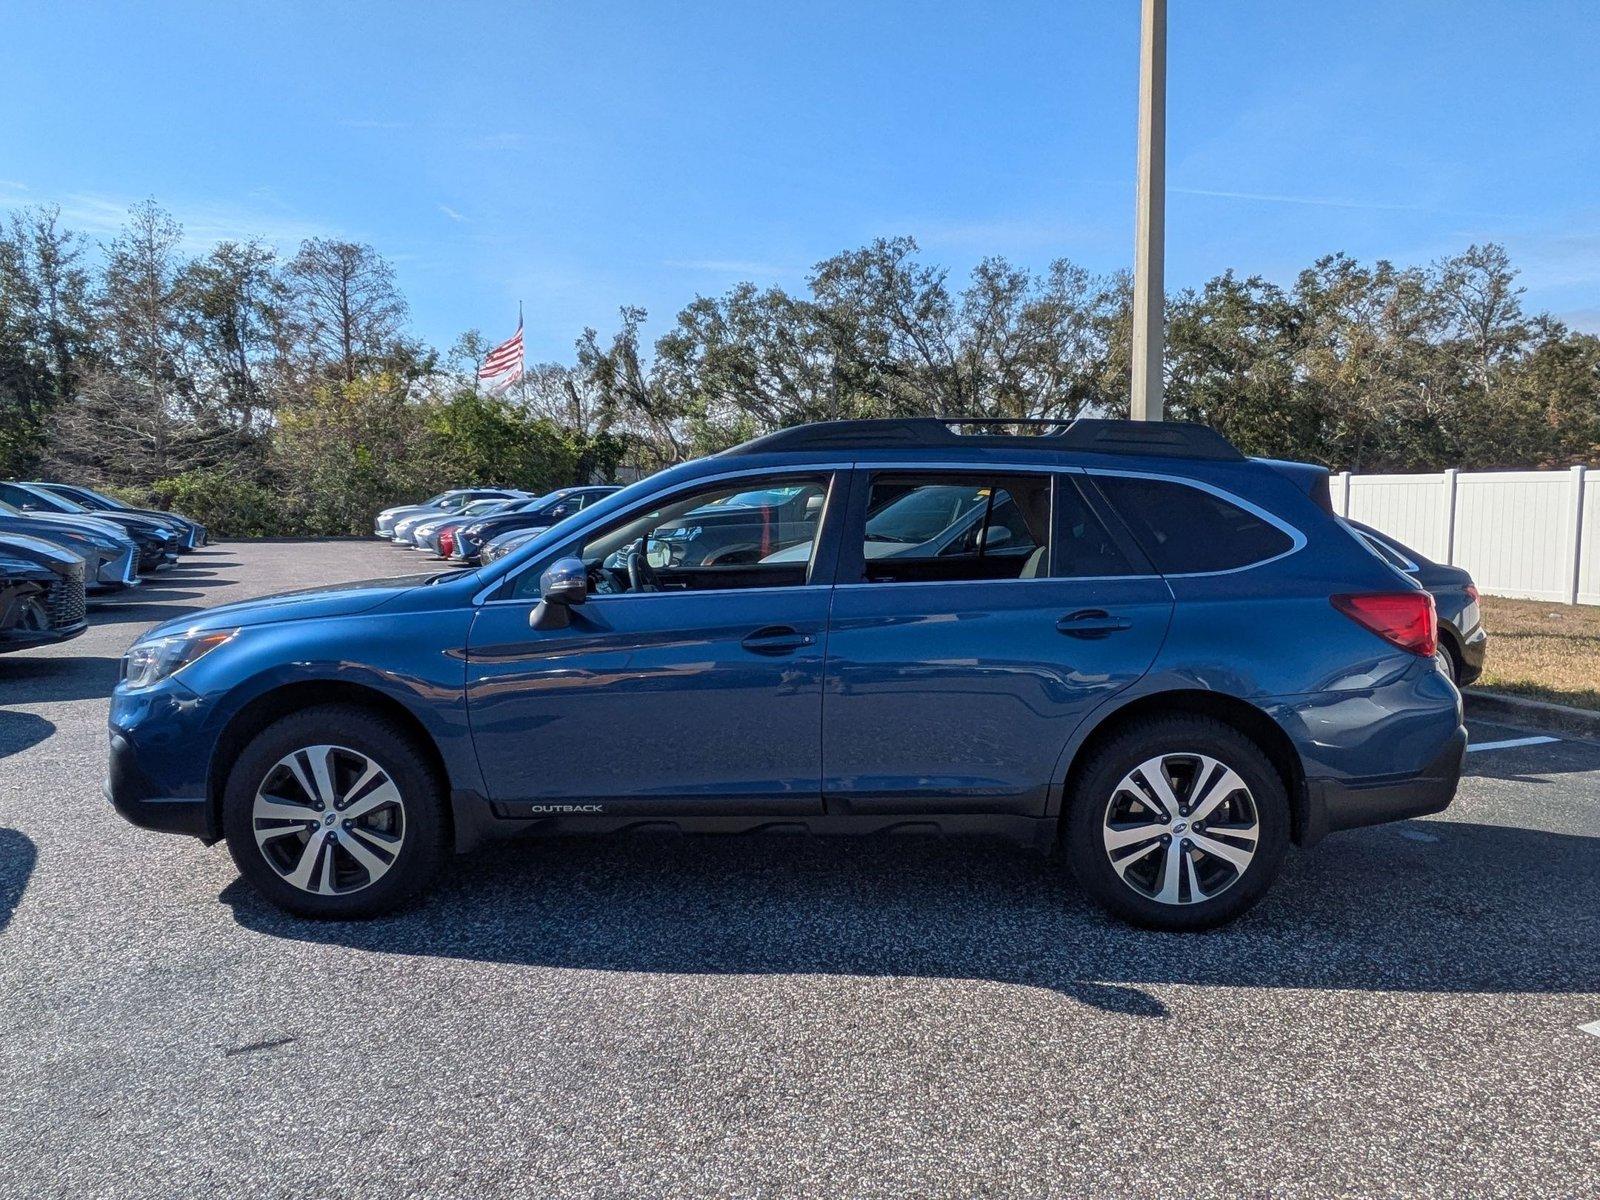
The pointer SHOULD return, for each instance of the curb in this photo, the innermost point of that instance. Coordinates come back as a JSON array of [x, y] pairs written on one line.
[[1541, 713]]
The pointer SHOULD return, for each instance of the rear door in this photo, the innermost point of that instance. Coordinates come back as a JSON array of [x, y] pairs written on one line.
[[978, 617]]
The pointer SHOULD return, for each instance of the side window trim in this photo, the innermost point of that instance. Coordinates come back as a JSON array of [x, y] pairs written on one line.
[[1296, 538], [818, 574]]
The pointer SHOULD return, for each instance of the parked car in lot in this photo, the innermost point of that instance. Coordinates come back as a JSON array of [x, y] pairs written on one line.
[[541, 512], [1463, 641], [157, 543], [383, 525], [425, 534], [1177, 663], [110, 556], [498, 547], [41, 593], [191, 533]]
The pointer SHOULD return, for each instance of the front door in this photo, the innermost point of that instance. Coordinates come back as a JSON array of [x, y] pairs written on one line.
[[977, 619], [690, 682]]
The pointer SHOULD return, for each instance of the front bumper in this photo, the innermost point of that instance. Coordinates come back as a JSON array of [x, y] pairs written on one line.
[[139, 800], [119, 571], [27, 639]]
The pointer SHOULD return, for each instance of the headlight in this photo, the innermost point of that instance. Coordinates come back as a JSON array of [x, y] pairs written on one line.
[[150, 662]]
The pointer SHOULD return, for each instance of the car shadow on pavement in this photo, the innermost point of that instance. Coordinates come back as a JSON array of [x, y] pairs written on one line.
[[42, 680], [1464, 908], [17, 857], [145, 614], [19, 730]]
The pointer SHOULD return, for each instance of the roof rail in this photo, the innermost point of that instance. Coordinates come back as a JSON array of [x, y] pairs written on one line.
[[1168, 439]]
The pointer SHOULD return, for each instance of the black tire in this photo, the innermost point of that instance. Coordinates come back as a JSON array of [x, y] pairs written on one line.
[[1449, 661], [423, 808], [1084, 826]]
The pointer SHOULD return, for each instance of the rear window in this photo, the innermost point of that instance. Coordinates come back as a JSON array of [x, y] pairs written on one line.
[[1184, 529]]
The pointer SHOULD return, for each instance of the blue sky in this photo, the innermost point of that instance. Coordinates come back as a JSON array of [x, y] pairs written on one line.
[[580, 156]]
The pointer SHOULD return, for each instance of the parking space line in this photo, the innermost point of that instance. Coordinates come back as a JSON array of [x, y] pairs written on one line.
[[1592, 1027], [1512, 743]]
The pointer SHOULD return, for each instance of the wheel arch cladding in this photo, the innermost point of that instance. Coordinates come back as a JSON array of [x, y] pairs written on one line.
[[288, 698], [1241, 715]]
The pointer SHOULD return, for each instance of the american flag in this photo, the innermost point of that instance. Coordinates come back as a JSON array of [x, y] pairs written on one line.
[[503, 364]]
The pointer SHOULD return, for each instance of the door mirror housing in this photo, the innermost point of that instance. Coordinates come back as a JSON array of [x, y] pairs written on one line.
[[564, 583]]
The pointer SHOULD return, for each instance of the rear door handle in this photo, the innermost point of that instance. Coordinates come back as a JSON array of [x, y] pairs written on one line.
[[1092, 623], [777, 639]]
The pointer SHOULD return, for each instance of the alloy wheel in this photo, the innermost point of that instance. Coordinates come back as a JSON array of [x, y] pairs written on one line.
[[329, 820], [1181, 828]]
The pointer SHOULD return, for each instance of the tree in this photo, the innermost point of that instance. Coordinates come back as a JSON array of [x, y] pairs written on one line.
[[129, 418], [45, 329], [235, 328], [350, 311], [348, 449]]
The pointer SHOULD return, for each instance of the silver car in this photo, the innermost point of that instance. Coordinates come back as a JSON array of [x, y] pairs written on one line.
[[384, 524]]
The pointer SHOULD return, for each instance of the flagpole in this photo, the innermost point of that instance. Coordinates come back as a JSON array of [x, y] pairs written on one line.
[[522, 375]]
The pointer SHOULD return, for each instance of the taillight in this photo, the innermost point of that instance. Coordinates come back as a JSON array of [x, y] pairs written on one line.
[[1472, 592], [1403, 619]]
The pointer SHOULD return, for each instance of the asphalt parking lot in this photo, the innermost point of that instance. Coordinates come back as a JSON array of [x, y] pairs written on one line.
[[770, 1017]]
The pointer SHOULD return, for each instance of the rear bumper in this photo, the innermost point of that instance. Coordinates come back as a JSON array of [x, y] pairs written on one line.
[[1474, 649], [1336, 804], [137, 798]]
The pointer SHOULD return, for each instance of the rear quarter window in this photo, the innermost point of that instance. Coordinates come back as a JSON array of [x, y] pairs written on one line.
[[1186, 530]]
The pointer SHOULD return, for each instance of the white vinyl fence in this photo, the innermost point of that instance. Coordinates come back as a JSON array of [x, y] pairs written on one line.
[[1534, 534]]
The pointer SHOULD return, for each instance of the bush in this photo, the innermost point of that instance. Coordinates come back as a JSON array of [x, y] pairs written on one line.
[[227, 505]]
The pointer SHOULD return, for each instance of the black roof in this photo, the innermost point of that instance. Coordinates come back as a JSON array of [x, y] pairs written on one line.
[[1167, 439]]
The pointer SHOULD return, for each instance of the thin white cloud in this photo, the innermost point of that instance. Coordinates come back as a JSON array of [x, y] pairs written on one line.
[[205, 223], [451, 213], [1314, 201]]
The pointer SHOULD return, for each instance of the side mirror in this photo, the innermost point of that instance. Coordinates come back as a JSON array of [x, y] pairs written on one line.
[[564, 583], [994, 535]]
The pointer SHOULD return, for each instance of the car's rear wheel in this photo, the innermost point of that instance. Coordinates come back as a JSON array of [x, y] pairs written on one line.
[[334, 812], [1177, 823], [1448, 666]]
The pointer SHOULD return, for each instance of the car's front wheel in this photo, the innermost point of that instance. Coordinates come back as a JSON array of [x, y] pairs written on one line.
[[1177, 823], [333, 812]]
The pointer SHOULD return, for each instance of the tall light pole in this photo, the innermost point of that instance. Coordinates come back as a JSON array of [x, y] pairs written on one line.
[[1150, 218]]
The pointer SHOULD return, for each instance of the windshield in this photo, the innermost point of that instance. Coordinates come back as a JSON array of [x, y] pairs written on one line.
[[924, 513], [541, 504], [763, 498], [108, 501], [55, 502]]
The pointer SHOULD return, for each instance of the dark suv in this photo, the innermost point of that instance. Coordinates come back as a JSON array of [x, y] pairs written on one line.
[[1125, 640]]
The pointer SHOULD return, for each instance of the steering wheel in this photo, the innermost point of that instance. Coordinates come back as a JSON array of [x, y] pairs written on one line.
[[641, 575]]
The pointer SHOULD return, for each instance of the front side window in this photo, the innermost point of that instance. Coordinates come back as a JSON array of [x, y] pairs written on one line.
[[1187, 530], [726, 535], [951, 527]]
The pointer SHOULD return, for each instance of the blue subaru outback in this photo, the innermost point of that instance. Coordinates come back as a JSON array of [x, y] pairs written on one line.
[[1124, 640]]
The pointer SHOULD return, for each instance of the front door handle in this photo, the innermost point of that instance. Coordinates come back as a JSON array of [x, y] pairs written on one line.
[[1092, 623], [777, 639]]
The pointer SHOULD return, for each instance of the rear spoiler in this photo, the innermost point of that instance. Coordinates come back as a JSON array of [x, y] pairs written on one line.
[[1308, 477]]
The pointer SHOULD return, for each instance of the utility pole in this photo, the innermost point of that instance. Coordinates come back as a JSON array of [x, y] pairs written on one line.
[[1149, 237]]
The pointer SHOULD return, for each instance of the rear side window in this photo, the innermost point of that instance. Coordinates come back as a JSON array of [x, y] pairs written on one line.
[[1184, 529], [1083, 547], [938, 528]]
